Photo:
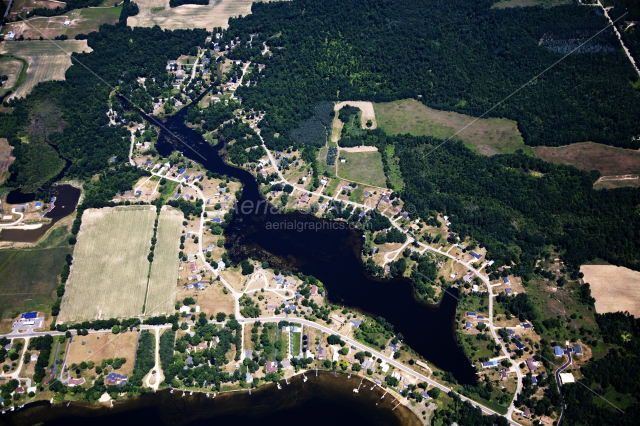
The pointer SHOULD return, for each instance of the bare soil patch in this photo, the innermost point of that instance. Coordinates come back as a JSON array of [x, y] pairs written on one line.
[[616, 289], [608, 160], [359, 149]]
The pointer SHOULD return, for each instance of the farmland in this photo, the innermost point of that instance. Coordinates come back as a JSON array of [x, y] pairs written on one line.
[[215, 14], [362, 167], [28, 279], [46, 60], [81, 21], [486, 136], [164, 270], [110, 268], [15, 69], [615, 288]]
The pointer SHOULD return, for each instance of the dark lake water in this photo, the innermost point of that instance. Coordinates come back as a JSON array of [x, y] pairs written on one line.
[[67, 198], [326, 249], [321, 401]]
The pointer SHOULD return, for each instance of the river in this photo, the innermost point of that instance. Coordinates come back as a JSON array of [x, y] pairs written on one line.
[[326, 249]]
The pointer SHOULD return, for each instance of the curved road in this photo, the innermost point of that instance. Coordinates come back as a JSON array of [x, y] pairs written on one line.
[[558, 371]]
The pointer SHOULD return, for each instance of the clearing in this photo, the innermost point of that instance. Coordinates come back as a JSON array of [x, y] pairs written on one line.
[[28, 281], [99, 346], [12, 68], [608, 160], [81, 21], [361, 167], [5, 158], [367, 112], [46, 60], [164, 270], [616, 289], [486, 136], [109, 274], [215, 14]]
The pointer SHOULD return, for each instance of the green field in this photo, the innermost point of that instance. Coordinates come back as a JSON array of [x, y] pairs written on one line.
[[395, 177], [486, 136], [362, 167], [28, 279]]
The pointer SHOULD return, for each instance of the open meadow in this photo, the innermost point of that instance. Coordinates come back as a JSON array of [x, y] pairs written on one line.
[[81, 21], [28, 280], [363, 167], [215, 14], [109, 274], [486, 136], [367, 109], [164, 270], [46, 60], [616, 289], [11, 68], [608, 160], [99, 346]]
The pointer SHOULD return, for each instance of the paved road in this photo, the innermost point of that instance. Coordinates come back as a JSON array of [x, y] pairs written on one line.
[[558, 371]]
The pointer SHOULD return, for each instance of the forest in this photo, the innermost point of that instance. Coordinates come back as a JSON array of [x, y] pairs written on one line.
[[515, 205], [471, 57]]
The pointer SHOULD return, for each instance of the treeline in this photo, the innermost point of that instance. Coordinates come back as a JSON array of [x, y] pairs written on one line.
[[515, 205], [145, 357], [348, 50]]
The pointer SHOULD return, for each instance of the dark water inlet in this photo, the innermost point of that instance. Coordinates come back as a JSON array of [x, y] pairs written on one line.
[[67, 198], [326, 249]]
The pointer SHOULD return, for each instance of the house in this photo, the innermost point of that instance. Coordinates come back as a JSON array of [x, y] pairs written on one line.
[[471, 314], [532, 364], [285, 329], [76, 382], [188, 286], [286, 363], [247, 353], [394, 348], [384, 366], [508, 291], [474, 288], [519, 344], [505, 280], [490, 364], [558, 351], [468, 325], [476, 255], [468, 278], [189, 360], [577, 349], [221, 265], [503, 374], [38, 205], [356, 323], [185, 309], [271, 307], [200, 285], [248, 378], [202, 346], [216, 220], [272, 367], [534, 380], [191, 258], [192, 267], [480, 316], [527, 326], [323, 355], [116, 379], [34, 357], [314, 290], [346, 188]]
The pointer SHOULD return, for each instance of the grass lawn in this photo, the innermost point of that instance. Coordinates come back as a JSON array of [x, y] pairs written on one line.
[[330, 190], [296, 344], [486, 136], [29, 279], [362, 167], [395, 177]]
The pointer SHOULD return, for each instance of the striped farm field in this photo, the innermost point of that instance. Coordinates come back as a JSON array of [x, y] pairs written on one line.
[[109, 273], [164, 270]]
